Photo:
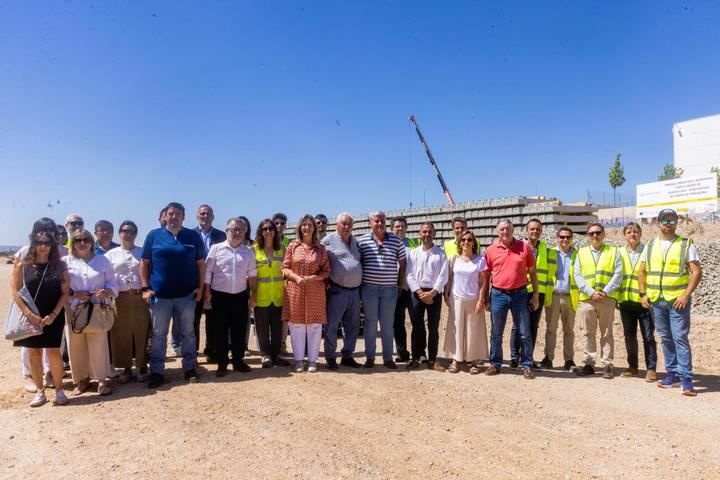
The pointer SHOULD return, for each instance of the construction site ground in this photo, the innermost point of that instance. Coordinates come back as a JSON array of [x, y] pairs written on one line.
[[378, 423]]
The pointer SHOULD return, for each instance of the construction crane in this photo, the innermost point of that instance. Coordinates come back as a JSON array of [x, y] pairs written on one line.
[[433, 163]]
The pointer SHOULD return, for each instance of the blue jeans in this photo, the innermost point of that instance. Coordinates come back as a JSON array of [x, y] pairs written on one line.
[[343, 305], [182, 311], [517, 303], [673, 327], [379, 307]]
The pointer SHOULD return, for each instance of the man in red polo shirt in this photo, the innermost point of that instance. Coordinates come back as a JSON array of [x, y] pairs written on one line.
[[509, 262]]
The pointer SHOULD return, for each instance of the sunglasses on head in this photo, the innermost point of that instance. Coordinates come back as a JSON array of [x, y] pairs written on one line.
[[595, 233]]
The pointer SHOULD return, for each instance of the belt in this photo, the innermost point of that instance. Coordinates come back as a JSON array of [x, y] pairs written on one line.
[[132, 291], [340, 286], [511, 291]]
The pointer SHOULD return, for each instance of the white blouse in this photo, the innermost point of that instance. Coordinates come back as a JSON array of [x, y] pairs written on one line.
[[90, 276], [126, 265], [466, 277]]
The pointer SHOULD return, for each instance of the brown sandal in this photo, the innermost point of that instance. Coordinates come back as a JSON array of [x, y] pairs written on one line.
[[453, 368], [474, 369], [81, 387]]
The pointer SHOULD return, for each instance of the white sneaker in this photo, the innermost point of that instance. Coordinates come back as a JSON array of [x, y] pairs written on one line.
[[29, 385], [312, 368], [60, 398], [299, 368], [39, 399], [266, 361]]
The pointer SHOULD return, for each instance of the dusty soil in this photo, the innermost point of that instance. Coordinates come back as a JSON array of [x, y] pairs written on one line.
[[370, 424]]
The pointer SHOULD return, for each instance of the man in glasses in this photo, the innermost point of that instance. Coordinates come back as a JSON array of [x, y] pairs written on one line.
[[280, 221], [73, 222], [321, 222], [383, 264], [669, 273], [172, 276], [598, 274], [561, 299], [210, 236], [510, 263], [104, 231]]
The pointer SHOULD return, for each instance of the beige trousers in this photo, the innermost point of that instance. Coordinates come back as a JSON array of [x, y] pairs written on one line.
[[593, 315], [560, 309], [89, 355], [467, 341], [131, 327]]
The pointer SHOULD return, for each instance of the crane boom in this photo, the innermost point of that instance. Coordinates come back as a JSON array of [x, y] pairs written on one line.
[[433, 163]]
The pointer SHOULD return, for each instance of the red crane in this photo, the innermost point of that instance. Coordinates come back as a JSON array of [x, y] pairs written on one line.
[[433, 163]]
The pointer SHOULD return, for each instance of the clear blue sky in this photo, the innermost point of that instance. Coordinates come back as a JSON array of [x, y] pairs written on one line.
[[113, 109]]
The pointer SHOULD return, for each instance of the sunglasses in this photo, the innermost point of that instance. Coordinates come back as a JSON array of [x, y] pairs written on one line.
[[594, 233], [76, 224], [565, 237], [279, 224], [321, 222], [466, 240], [83, 240], [129, 232], [381, 251], [43, 243], [668, 222], [268, 229]]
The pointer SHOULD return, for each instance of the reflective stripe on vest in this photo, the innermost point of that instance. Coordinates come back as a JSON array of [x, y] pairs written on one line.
[[271, 285], [667, 275], [629, 288], [598, 274], [552, 278]]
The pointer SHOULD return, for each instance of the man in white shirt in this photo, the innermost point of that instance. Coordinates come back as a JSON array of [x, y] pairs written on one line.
[[427, 274], [229, 269]]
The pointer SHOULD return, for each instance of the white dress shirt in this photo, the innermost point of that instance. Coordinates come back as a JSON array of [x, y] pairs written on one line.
[[227, 269], [126, 265], [427, 268]]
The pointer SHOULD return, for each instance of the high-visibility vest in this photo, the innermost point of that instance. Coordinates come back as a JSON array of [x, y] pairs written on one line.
[[552, 279], [544, 260], [285, 242], [412, 242], [270, 283], [598, 274], [667, 276], [451, 248], [629, 288]]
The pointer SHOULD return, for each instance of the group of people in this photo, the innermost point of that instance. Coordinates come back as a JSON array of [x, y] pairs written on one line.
[[317, 285]]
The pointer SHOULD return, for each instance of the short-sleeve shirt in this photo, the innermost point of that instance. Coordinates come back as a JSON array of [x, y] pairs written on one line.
[[173, 261], [380, 263], [509, 265], [345, 266]]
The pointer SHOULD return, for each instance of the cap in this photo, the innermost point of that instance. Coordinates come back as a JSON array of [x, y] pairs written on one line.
[[667, 212]]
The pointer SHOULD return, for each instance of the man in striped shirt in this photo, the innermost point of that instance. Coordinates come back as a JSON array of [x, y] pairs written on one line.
[[383, 264]]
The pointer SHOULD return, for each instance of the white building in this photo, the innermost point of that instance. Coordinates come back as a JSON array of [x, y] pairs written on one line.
[[696, 145]]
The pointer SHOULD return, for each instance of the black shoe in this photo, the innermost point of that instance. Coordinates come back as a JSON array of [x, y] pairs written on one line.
[[514, 364], [390, 364], [241, 366], [350, 362], [281, 362], [221, 371], [191, 376], [585, 371], [155, 380], [569, 365], [369, 363], [537, 366], [546, 363], [403, 357], [331, 364]]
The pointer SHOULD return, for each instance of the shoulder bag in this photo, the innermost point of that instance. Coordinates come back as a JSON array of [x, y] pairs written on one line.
[[17, 325], [92, 318]]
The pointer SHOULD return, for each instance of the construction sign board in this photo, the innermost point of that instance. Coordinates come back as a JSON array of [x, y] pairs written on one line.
[[685, 195]]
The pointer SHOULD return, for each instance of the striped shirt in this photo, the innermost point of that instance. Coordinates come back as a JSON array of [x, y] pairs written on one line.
[[345, 267], [380, 262]]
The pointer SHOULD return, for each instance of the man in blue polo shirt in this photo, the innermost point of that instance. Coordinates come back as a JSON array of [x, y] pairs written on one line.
[[172, 272]]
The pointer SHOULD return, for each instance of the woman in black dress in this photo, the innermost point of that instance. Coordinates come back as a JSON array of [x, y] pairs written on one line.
[[46, 278]]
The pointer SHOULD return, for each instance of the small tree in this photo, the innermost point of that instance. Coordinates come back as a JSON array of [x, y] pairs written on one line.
[[617, 177], [669, 172]]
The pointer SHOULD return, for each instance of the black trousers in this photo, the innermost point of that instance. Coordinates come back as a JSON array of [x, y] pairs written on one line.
[[534, 325], [632, 314], [268, 326], [229, 314], [421, 337], [404, 304]]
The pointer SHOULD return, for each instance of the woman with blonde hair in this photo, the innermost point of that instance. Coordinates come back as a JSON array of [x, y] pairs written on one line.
[[466, 339], [306, 266], [91, 280]]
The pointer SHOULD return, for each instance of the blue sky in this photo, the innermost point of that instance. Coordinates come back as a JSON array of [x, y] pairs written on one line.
[[114, 109]]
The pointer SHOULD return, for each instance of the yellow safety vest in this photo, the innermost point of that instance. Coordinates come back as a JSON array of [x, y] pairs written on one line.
[[413, 242], [668, 276], [270, 283], [285, 241], [597, 275], [451, 248], [629, 288], [543, 262], [552, 278]]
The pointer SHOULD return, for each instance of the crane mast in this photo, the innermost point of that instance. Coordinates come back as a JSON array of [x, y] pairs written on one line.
[[433, 163]]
